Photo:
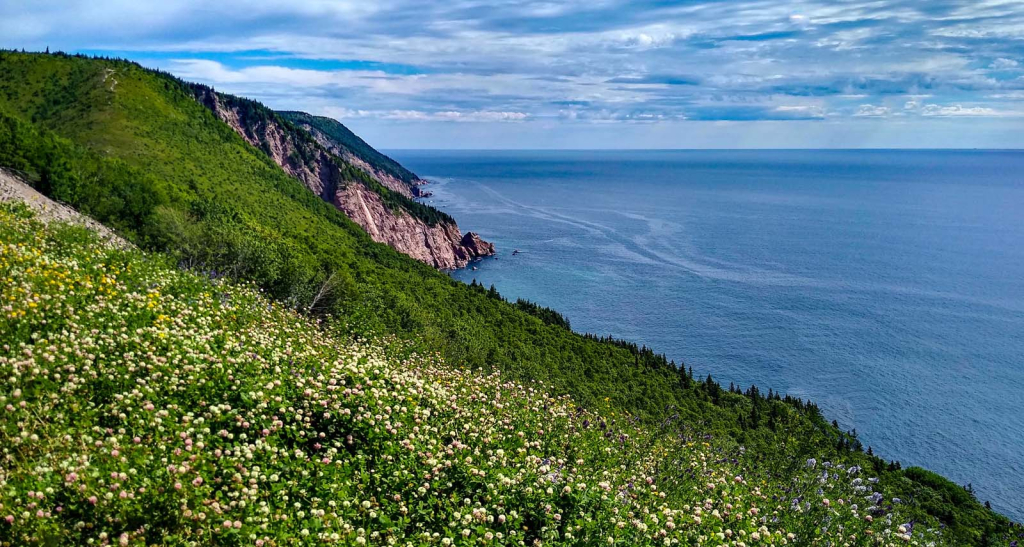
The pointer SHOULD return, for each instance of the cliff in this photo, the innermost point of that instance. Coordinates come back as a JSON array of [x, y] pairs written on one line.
[[340, 141], [371, 189]]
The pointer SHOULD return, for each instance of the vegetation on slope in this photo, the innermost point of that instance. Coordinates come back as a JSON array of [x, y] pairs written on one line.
[[145, 405], [255, 117], [342, 135], [216, 204]]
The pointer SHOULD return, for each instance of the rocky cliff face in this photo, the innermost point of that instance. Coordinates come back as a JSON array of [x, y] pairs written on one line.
[[388, 180], [441, 245], [314, 159]]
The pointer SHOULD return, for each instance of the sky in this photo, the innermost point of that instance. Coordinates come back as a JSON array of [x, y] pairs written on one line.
[[584, 73]]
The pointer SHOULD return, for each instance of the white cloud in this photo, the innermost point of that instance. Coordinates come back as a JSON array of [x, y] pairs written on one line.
[[1003, 63], [872, 111], [957, 110], [812, 111], [424, 116]]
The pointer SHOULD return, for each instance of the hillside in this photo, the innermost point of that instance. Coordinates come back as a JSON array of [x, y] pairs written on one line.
[[180, 409], [380, 204], [341, 141], [371, 196], [144, 157], [15, 190]]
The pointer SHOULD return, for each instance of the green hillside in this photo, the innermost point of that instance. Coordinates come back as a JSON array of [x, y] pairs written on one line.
[[133, 148], [180, 409], [254, 117]]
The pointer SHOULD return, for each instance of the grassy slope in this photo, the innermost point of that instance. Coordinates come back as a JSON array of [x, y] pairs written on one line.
[[151, 123], [180, 409]]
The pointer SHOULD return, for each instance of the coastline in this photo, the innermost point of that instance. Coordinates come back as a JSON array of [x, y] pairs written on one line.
[[771, 329]]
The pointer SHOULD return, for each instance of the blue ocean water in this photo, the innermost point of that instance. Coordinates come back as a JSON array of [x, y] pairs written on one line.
[[887, 286]]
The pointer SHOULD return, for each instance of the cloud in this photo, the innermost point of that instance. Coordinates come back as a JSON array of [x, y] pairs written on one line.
[[800, 112], [756, 113], [956, 110], [872, 111], [662, 79], [419, 115], [535, 62], [1003, 63]]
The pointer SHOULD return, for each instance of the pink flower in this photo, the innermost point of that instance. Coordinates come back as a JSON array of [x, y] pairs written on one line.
[[177, 486], [93, 500], [9, 519], [227, 524]]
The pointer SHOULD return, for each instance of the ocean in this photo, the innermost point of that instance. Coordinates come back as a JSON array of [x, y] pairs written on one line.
[[886, 286]]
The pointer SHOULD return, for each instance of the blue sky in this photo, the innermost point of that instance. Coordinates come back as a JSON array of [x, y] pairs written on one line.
[[585, 73]]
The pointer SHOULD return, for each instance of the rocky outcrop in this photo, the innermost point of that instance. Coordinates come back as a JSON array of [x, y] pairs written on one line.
[[476, 247], [14, 188], [319, 163], [409, 190], [441, 245], [343, 143]]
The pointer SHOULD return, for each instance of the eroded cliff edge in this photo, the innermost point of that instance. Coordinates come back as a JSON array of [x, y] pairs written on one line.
[[370, 188]]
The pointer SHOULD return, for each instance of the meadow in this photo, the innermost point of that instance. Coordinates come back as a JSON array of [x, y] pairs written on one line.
[[147, 405]]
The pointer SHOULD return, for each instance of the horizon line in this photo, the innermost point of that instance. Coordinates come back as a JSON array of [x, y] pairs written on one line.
[[751, 149]]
